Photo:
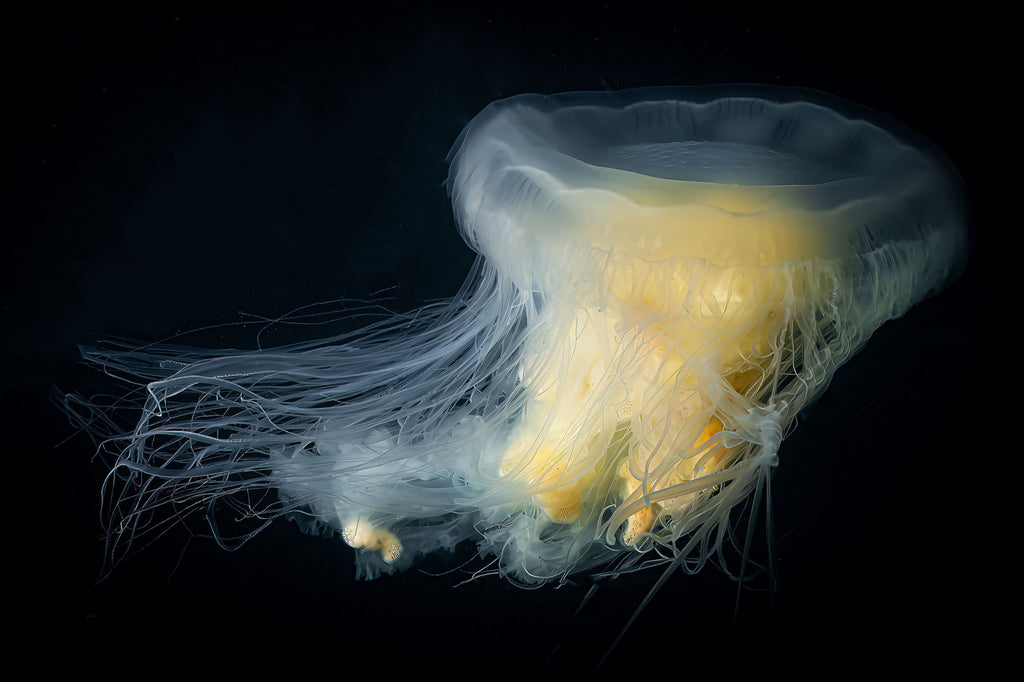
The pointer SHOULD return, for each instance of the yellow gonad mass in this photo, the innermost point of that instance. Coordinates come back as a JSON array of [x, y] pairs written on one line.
[[681, 343], [666, 277], [364, 536]]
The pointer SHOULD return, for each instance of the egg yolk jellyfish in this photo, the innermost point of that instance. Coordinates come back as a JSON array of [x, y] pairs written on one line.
[[666, 277]]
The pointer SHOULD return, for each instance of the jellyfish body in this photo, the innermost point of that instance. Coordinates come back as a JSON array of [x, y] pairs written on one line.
[[666, 278]]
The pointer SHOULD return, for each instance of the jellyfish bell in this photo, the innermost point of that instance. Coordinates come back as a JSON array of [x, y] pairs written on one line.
[[666, 278]]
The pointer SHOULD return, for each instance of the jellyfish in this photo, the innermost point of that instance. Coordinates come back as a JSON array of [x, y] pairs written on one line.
[[665, 278]]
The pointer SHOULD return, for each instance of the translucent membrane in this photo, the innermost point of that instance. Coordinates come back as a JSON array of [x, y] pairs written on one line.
[[667, 277]]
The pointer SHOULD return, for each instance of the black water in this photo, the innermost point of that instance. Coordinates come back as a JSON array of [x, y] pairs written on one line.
[[174, 167]]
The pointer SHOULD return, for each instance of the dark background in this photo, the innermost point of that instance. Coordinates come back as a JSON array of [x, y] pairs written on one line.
[[176, 166]]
